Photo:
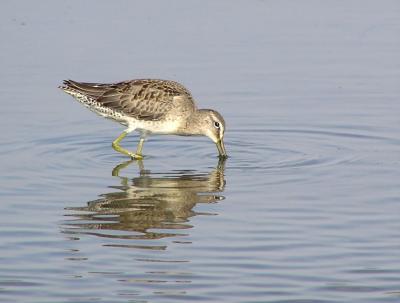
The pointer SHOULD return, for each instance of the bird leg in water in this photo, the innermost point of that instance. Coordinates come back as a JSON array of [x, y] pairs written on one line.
[[140, 147], [124, 151]]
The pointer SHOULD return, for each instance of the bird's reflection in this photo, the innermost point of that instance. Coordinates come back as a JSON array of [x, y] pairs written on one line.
[[150, 206]]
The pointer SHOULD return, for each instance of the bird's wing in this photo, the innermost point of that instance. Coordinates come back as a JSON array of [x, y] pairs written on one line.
[[140, 99]]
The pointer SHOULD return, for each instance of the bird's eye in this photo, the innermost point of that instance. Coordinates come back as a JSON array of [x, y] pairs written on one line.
[[216, 124]]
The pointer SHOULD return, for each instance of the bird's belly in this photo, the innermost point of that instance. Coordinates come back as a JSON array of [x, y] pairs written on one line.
[[155, 127]]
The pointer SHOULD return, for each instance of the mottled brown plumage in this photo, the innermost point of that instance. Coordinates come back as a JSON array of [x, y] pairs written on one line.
[[144, 99]]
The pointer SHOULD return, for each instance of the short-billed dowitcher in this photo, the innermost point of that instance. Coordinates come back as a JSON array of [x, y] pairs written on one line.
[[151, 107]]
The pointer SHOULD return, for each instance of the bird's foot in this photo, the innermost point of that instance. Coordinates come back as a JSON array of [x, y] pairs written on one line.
[[136, 156]]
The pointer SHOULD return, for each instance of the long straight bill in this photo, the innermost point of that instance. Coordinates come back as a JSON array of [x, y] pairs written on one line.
[[221, 149]]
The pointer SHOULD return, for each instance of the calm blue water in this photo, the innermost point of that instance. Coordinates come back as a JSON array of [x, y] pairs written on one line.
[[307, 207]]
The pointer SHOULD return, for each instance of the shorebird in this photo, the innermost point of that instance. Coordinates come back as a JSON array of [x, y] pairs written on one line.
[[149, 106]]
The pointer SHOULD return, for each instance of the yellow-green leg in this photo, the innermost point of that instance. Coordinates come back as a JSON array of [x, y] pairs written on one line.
[[140, 147], [124, 151]]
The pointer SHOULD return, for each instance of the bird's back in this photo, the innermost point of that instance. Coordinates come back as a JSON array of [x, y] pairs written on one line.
[[142, 99]]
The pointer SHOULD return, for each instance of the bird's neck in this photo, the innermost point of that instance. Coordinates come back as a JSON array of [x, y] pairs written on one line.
[[193, 124]]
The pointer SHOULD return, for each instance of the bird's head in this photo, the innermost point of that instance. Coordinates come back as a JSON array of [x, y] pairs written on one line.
[[213, 126]]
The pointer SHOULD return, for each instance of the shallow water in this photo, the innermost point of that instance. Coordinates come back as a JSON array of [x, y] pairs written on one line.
[[307, 207]]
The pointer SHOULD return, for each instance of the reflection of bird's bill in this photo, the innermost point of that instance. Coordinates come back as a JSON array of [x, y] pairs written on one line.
[[221, 148], [221, 165]]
